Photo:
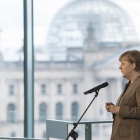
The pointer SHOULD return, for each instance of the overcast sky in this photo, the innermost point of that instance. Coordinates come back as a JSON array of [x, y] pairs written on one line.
[[11, 19]]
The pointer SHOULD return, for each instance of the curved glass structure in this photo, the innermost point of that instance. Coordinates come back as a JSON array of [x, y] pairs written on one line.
[[101, 20]]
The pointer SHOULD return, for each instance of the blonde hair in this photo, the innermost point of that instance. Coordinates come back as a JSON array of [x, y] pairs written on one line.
[[133, 56]]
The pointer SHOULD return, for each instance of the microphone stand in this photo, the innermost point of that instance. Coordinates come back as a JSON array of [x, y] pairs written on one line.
[[74, 134]]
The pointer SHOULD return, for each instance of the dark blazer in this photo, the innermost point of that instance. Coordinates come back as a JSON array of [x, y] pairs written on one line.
[[126, 124]]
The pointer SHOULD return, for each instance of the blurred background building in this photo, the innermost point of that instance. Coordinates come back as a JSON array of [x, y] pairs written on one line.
[[83, 43]]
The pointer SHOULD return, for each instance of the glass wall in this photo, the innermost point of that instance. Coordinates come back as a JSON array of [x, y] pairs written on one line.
[[77, 44], [11, 68]]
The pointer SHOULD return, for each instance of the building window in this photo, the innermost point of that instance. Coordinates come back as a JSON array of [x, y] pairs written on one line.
[[11, 89], [44, 134], [43, 89], [11, 113], [75, 88], [42, 112], [13, 134], [74, 111], [59, 111], [59, 89]]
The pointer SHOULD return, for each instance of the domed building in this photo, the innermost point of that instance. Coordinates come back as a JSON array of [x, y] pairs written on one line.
[[102, 21], [87, 37]]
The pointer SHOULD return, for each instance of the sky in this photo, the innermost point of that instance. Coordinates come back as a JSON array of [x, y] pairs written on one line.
[[11, 19]]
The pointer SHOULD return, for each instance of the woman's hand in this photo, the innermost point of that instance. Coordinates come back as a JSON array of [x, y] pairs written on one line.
[[108, 106], [114, 109]]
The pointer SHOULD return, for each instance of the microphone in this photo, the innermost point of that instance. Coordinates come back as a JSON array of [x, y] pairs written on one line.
[[96, 88]]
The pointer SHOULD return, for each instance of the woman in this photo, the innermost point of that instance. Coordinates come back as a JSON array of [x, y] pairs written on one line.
[[126, 112]]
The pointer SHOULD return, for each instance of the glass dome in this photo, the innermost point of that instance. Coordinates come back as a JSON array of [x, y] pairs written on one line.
[[103, 20]]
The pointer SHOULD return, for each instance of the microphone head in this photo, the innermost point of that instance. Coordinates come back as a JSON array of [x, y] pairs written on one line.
[[96, 88], [105, 84], [86, 93]]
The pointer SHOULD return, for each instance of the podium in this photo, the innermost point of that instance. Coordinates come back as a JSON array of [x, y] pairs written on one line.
[[59, 128]]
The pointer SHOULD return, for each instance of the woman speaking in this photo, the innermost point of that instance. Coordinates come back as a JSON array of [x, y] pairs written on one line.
[[126, 112]]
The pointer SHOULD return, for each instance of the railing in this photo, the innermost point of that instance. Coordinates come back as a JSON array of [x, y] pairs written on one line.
[[59, 129], [19, 138]]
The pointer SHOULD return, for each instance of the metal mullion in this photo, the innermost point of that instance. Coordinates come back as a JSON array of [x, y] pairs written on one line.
[[28, 70]]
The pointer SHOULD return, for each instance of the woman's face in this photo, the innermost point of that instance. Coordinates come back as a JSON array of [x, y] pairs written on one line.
[[126, 68]]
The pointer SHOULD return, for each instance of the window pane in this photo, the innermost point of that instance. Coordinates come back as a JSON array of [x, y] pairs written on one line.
[[42, 112], [13, 134], [11, 68], [11, 90], [44, 134], [59, 111], [59, 89], [75, 89], [43, 89], [74, 111], [77, 46], [11, 113]]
